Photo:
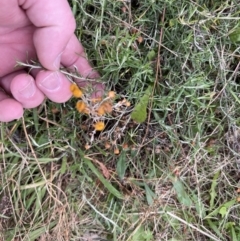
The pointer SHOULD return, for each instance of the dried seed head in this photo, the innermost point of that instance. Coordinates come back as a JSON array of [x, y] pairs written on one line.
[[81, 107], [101, 110], [104, 108], [116, 151], [87, 146], [124, 9], [55, 110], [111, 94], [125, 146], [125, 102], [84, 127], [96, 100], [107, 107], [107, 145], [140, 39]]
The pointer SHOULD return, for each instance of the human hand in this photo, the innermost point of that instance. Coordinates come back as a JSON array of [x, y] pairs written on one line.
[[42, 30]]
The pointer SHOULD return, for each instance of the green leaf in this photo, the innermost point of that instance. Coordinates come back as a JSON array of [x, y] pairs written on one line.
[[121, 165], [223, 211], [64, 165], [34, 235], [105, 182], [150, 195], [226, 205], [182, 195], [173, 22], [213, 193], [142, 235], [233, 234], [139, 113], [231, 226], [151, 55], [40, 193], [228, 225], [213, 226], [235, 36], [198, 205]]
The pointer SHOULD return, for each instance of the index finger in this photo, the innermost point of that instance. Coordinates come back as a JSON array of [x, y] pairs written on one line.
[[55, 26]]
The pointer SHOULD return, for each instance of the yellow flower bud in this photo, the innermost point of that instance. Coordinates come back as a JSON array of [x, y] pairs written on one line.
[[81, 107], [99, 126], [111, 94], [76, 92]]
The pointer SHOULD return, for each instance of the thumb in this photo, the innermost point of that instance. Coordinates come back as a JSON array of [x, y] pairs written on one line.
[[55, 26]]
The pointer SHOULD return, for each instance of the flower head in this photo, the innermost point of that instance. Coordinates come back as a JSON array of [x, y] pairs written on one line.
[[76, 91], [96, 100], [99, 126], [82, 107], [101, 110], [104, 108], [111, 94]]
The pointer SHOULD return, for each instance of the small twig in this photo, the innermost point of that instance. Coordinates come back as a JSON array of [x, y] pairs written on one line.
[[53, 123], [62, 70], [192, 226], [99, 213]]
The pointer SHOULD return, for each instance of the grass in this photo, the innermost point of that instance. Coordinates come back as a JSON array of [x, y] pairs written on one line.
[[178, 176]]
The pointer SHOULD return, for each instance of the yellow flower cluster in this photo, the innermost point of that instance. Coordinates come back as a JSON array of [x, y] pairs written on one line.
[[95, 107], [99, 110], [82, 107]]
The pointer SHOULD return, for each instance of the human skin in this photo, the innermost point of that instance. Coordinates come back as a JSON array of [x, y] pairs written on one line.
[[37, 30]]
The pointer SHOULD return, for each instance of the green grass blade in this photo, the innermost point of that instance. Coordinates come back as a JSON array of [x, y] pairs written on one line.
[[32, 236], [121, 165], [150, 195], [105, 182], [224, 206], [182, 195], [213, 193], [213, 226]]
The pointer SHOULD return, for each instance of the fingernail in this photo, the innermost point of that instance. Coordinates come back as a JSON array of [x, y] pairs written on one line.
[[28, 88], [52, 82], [57, 61]]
